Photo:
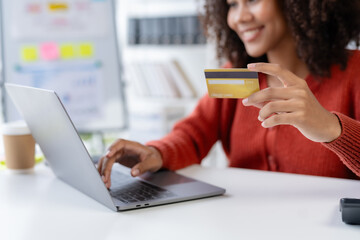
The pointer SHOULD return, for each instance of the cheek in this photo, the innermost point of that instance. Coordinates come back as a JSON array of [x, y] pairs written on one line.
[[230, 21], [266, 11], [279, 30], [264, 16]]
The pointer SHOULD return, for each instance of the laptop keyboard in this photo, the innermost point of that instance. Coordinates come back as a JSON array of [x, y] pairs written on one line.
[[129, 190]]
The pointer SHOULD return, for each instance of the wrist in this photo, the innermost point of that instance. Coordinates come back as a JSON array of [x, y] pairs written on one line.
[[335, 128], [156, 155]]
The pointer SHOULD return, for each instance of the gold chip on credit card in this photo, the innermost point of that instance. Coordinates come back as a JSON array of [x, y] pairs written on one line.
[[231, 82]]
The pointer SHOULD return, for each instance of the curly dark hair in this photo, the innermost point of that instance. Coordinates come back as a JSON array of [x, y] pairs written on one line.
[[322, 30]]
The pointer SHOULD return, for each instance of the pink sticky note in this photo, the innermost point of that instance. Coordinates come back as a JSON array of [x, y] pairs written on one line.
[[49, 51]]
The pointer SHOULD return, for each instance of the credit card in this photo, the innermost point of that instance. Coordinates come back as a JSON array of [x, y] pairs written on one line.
[[231, 82]]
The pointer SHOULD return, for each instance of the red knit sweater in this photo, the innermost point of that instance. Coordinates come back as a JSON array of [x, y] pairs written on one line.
[[282, 148]]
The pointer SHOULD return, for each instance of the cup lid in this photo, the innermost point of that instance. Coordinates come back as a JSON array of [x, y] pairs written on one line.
[[15, 128]]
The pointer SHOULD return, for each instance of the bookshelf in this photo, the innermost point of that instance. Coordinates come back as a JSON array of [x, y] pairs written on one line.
[[164, 55], [163, 34]]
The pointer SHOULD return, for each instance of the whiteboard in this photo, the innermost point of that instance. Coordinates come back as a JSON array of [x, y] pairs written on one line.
[[69, 46]]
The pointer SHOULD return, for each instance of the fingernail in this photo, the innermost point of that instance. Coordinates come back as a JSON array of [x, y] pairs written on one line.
[[135, 172], [251, 65], [103, 178], [245, 101], [259, 118], [107, 153]]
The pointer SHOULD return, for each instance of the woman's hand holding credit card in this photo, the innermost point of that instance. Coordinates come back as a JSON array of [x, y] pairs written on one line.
[[293, 104], [231, 82]]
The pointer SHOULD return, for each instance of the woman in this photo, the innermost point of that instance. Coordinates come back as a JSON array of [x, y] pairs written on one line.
[[308, 105]]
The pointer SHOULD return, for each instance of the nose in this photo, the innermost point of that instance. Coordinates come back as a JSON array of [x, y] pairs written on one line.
[[243, 14]]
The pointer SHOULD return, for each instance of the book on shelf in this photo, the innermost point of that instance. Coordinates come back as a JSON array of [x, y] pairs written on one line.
[[181, 80], [155, 86], [173, 30], [168, 85], [159, 79], [134, 78]]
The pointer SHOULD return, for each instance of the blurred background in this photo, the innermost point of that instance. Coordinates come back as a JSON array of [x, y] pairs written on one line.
[[123, 69]]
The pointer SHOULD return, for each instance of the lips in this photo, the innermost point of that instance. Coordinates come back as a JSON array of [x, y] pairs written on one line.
[[251, 34]]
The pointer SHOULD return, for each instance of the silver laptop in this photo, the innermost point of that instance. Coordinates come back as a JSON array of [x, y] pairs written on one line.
[[67, 156]]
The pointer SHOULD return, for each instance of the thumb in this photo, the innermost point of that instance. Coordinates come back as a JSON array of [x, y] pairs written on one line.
[[150, 164], [140, 168], [135, 170], [151, 161]]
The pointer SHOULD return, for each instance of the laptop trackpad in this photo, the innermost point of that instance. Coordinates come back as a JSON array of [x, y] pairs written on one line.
[[161, 178], [165, 178]]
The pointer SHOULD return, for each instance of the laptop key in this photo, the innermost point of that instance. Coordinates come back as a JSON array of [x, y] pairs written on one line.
[[129, 190]]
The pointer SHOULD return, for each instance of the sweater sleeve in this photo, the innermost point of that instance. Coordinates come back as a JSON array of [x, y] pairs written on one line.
[[192, 138], [347, 145]]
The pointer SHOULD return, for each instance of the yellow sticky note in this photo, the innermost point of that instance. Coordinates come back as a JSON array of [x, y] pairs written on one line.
[[67, 51], [29, 53], [58, 6], [2, 164], [86, 50], [231, 82]]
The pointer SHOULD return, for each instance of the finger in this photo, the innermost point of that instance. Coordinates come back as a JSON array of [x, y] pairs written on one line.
[[142, 167], [152, 162], [135, 171], [107, 164], [116, 151], [276, 107], [286, 77], [258, 105], [124, 146], [258, 99], [118, 144], [279, 119], [99, 166]]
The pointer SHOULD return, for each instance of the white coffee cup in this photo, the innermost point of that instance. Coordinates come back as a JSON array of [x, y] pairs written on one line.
[[19, 146]]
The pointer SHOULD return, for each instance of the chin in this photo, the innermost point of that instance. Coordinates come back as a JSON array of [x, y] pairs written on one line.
[[255, 52]]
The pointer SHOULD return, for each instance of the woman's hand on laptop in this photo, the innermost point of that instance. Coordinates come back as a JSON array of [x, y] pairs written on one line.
[[148, 159]]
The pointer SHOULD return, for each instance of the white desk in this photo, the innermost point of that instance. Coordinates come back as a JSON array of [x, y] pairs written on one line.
[[257, 205]]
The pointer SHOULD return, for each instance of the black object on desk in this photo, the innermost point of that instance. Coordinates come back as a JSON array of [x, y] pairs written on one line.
[[350, 209]]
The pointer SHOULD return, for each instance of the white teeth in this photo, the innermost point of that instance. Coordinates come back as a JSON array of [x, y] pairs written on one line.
[[250, 33]]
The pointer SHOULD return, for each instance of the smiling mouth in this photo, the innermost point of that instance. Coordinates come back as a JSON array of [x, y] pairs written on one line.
[[251, 34]]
